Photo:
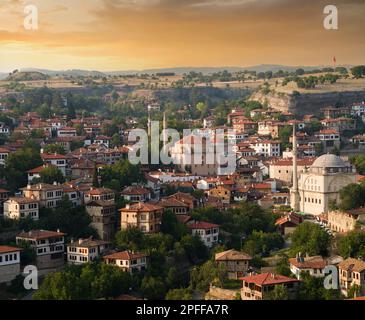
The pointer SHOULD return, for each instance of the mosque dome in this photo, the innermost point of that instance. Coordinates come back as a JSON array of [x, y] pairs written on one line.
[[329, 161]]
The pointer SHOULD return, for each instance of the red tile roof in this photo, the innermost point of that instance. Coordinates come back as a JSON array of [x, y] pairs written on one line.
[[289, 162], [99, 191], [4, 150], [268, 279], [141, 207], [316, 262], [47, 156], [203, 225], [183, 218], [126, 255], [6, 249], [40, 234], [132, 190], [328, 131]]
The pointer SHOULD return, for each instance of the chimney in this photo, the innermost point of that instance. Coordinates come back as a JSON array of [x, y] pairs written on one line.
[[80, 241], [297, 257], [58, 230]]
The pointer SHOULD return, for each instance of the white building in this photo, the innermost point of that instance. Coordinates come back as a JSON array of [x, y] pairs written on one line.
[[128, 261], [267, 148], [48, 246], [86, 250], [358, 109], [57, 160], [4, 153], [103, 140], [48, 195], [313, 265], [20, 208], [67, 132], [4, 129], [207, 232], [322, 182], [99, 194]]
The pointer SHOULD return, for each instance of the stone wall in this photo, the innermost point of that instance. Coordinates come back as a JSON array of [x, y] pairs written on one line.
[[216, 293], [9, 272], [47, 262]]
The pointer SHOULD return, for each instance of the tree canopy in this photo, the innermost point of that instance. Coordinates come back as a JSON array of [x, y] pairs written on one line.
[[310, 238]]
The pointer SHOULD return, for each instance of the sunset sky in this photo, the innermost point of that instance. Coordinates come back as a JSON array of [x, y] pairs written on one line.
[[137, 34]]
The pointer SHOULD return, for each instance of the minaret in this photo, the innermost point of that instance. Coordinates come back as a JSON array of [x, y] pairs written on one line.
[[149, 122], [294, 194], [164, 128]]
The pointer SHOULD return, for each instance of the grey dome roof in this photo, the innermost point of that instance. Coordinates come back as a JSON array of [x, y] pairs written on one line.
[[329, 161]]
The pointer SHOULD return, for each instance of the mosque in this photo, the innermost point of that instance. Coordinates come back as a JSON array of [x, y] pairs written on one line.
[[320, 184]]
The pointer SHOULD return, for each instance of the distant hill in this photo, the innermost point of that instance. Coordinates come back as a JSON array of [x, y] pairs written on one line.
[[177, 70], [26, 76], [67, 73], [3, 75], [207, 70]]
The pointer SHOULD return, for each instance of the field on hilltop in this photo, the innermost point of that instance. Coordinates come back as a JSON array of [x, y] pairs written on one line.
[[342, 85]]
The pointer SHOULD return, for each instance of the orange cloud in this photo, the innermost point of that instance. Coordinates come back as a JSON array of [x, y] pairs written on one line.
[[128, 34]]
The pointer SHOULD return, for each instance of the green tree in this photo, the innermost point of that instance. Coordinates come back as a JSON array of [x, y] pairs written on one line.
[[358, 71], [96, 177], [123, 172], [171, 225], [352, 196], [18, 163], [299, 72], [153, 288], [310, 238], [51, 174], [284, 134], [74, 221], [279, 292], [116, 141], [90, 281], [54, 148], [311, 288], [283, 267], [179, 294], [130, 238], [262, 243], [202, 276], [359, 162], [352, 244], [354, 291]]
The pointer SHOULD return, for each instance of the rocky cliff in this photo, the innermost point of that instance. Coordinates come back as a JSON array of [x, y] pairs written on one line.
[[308, 103]]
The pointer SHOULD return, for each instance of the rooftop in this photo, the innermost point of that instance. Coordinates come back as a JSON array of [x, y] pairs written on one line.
[[329, 161], [6, 249], [40, 234], [268, 279], [232, 255], [126, 255]]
